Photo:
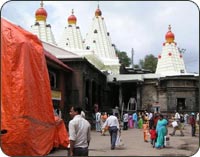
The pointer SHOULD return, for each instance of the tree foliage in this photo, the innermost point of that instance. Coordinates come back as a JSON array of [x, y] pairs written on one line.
[[149, 62], [123, 58]]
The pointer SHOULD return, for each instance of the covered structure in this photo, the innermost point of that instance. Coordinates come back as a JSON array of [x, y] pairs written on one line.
[[26, 104]]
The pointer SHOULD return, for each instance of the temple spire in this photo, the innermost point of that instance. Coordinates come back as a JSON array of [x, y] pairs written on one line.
[[98, 11], [170, 61], [98, 40], [41, 28], [71, 38]]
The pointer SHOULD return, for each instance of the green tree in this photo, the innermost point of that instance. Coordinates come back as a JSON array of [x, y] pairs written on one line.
[[123, 58], [149, 62]]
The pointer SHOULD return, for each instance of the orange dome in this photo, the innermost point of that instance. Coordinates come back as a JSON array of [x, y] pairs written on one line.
[[98, 12], [169, 36], [72, 19], [41, 11]]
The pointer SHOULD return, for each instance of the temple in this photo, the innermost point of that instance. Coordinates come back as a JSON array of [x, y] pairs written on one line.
[[71, 37], [170, 61], [97, 76], [99, 40], [41, 28]]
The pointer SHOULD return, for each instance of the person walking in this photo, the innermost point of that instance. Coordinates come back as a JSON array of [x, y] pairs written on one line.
[[135, 120], [193, 123], [79, 133], [140, 122], [130, 121], [125, 121], [161, 131], [113, 124], [153, 135], [180, 126], [186, 118], [145, 127], [182, 120], [98, 121], [103, 119]]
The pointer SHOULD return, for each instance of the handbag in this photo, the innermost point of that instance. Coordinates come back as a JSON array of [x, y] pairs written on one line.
[[119, 143], [166, 140], [174, 124]]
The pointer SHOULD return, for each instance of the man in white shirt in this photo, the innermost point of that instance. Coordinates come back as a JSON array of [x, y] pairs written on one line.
[[79, 133], [113, 124], [125, 121], [177, 116]]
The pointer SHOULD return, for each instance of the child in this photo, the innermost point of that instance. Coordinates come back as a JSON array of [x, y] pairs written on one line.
[[153, 135]]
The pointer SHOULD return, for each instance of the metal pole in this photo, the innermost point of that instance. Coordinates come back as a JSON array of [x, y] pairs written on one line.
[[132, 57]]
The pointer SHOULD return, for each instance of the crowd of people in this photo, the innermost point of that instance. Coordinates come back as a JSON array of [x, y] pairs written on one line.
[[154, 127]]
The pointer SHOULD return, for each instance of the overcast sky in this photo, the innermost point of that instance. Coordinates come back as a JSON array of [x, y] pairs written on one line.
[[131, 24]]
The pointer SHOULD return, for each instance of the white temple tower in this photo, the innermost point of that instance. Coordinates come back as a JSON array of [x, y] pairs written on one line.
[[170, 61], [99, 41], [71, 37], [41, 28]]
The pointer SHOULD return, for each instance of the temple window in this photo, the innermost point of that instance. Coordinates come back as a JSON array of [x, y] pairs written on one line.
[[182, 71], [48, 25], [37, 24]]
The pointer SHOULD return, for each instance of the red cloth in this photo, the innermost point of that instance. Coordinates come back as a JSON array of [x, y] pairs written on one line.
[[153, 133]]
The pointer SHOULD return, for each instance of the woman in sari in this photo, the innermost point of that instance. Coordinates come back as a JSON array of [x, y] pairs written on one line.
[[130, 121], [161, 130], [140, 122]]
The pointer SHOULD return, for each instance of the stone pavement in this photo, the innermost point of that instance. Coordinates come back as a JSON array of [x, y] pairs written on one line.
[[134, 145]]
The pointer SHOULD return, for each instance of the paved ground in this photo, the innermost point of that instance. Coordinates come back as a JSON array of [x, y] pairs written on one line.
[[135, 145]]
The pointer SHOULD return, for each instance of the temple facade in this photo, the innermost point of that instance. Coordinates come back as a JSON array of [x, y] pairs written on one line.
[[95, 78]]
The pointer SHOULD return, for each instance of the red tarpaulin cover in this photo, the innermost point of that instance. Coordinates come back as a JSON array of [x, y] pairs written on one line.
[[26, 105]]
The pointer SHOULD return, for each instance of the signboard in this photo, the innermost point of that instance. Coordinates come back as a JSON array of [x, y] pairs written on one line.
[[56, 95]]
